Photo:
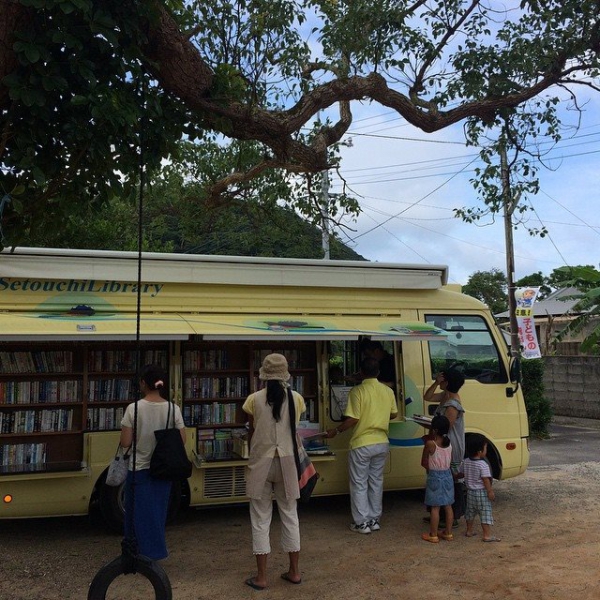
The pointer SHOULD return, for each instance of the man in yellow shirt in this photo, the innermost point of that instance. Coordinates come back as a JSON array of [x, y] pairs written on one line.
[[371, 406]]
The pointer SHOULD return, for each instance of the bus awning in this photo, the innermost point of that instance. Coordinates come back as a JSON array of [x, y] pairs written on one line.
[[179, 326], [282, 327], [64, 327]]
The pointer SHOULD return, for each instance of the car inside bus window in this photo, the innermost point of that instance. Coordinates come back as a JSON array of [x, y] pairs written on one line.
[[469, 347]]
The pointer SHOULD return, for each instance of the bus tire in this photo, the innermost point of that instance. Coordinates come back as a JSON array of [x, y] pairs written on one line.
[[152, 571], [112, 508], [492, 457]]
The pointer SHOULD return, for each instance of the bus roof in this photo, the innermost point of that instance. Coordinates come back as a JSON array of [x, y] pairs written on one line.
[[54, 263]]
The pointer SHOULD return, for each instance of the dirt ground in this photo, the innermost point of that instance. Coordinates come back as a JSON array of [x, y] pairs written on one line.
[[547, 520]]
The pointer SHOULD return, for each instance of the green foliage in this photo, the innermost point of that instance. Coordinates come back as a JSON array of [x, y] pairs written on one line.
[[539, 409], [510, 155], [94, 78], [176, 218], [80, 103], [490, 287], [587, 280], [536, 280]]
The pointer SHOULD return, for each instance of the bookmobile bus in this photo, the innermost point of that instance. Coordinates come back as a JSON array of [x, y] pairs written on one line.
[[68, 356]]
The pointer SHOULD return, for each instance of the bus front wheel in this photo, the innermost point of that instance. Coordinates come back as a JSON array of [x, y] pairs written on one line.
[[493, 458], [112, 504]]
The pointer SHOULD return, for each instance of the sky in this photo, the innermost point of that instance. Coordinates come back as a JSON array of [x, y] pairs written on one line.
[[408, 182]]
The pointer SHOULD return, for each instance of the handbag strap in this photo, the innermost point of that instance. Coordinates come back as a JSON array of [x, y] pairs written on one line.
[[125, 452], [169, 415], [292, 409]]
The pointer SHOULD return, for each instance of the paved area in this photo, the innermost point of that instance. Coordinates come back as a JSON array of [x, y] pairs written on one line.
[[571, 441]]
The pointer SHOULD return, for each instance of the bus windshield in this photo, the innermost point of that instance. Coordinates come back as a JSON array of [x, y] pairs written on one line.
[[469, 347]]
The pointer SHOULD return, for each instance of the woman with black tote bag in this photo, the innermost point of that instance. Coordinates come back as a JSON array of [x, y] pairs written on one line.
[[151, 495]]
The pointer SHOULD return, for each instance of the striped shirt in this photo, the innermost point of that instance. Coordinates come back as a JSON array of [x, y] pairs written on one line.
[[475, 469]]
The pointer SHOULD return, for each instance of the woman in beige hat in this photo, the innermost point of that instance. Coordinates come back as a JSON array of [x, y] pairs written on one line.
[[272, 469]]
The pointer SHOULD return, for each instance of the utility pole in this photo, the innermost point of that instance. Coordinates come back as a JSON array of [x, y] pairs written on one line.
[[509, 204], [325, 213]]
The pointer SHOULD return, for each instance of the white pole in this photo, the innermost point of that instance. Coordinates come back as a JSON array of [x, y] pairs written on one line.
[[324, 214]]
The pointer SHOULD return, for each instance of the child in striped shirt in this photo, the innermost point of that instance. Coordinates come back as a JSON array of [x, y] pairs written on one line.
[[478, 479]]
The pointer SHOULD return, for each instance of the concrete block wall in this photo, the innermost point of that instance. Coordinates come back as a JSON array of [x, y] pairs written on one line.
[[572, 384]]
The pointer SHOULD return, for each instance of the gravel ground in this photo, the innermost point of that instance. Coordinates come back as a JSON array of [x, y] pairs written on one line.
[[548, 549]]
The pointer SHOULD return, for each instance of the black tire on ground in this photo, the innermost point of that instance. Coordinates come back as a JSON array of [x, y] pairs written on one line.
[[152, 571], [112, 507]]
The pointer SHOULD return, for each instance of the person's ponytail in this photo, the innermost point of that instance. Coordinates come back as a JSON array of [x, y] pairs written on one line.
[[275, 397]]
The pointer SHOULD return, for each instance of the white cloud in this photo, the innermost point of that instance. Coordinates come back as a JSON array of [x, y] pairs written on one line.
[[419, 183]]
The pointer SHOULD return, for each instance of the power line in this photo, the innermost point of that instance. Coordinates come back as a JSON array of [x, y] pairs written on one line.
[[415, 203], [549, 236]]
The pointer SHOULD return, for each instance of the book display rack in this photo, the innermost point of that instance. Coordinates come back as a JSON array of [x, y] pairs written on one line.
[[51, 394], [217, 379]]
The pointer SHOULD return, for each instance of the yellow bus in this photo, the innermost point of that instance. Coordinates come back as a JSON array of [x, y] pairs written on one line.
[[69, 356]]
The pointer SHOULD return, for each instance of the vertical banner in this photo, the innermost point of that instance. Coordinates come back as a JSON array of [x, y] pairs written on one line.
[[525, 297]]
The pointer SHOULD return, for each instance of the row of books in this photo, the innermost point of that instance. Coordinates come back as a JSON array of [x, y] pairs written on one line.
[[119, 361], [214, 444], [215, 387], [206, 360], [210, 413], [32, 392], [110, 390], [311, 414], [295, 357], [21, 456], [296, 382], [36, 421], [42, 361], [104, 419]]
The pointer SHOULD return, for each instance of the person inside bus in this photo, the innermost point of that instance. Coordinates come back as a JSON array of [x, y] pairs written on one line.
[[450, 406], [272, 469], [371, 406], [387, 367], [148, 499]]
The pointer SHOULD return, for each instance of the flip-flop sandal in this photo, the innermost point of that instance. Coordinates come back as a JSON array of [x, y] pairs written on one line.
[[491, 539], [286, 577], [253, 585], [470, 534], [434, 539], [446, 536]]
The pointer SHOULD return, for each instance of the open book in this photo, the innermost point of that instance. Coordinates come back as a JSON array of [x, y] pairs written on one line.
[[420, 419], [314, 436]]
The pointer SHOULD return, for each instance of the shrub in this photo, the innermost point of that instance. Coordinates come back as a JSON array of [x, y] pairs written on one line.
[[539, 409]]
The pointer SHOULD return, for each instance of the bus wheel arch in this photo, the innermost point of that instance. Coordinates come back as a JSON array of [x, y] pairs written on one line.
[[493, 458], [110, 501], [152, 571]]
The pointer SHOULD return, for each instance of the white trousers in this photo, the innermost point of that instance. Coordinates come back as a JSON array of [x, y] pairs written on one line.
[[261, 513], [365, 466]]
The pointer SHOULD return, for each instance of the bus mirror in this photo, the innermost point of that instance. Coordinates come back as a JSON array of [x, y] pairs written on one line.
[[515, 370], [515, 376]]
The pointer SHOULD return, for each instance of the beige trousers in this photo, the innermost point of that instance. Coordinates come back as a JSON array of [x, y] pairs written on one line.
[[261, 513]]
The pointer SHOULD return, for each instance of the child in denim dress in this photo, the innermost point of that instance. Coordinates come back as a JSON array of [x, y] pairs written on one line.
[[440, 483]]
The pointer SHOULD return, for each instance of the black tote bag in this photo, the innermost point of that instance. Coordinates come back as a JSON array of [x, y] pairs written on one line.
[[169, 460]]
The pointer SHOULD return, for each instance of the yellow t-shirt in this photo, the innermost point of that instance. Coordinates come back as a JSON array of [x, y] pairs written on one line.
[[372, 403]]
